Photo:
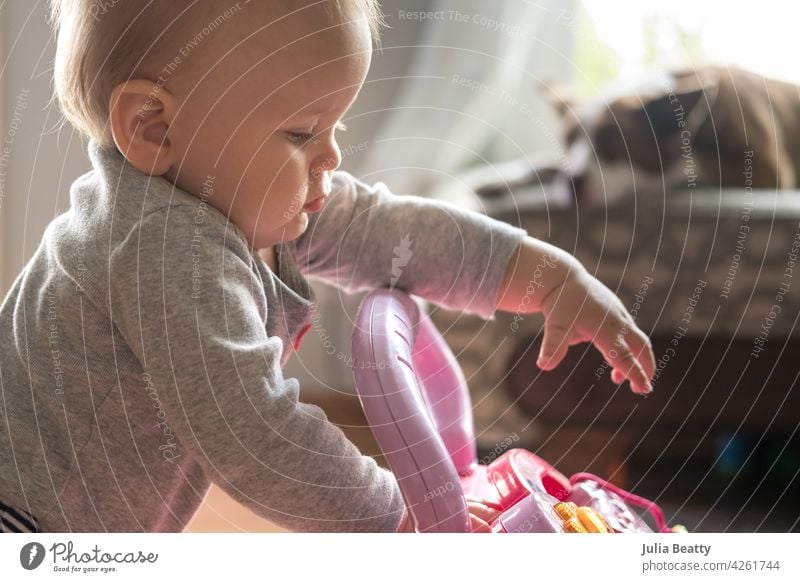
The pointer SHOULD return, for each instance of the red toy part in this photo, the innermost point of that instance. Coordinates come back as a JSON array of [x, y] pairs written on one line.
[[518, 473]]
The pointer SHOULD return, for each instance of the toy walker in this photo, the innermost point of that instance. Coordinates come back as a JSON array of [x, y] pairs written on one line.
[[416, 401]]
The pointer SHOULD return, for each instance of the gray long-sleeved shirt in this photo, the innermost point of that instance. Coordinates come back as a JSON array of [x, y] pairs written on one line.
[[141, 351]]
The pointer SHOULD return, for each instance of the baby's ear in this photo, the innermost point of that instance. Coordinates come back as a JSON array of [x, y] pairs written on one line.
[[140, 113]]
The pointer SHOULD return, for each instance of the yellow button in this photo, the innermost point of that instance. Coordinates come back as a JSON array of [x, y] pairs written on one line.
[[566, 510], [573, 525], [592, 521], [580, 519]]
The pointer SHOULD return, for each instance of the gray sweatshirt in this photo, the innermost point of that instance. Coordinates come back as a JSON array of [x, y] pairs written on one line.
[[141, 352]]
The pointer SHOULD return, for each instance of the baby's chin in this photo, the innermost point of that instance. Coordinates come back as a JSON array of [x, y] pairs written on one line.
[[286, 232]]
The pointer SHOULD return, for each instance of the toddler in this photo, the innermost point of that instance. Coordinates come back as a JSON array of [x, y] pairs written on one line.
[[143, 343]]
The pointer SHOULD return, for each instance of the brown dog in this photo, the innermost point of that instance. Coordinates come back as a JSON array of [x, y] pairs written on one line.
[[713, 127], [707, 128]]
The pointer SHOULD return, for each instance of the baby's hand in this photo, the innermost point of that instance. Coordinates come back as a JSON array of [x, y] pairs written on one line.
[[583, 309], [480, 516]]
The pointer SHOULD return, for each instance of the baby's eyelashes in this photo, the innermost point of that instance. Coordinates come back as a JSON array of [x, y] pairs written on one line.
[[305, 136], [299, 136]]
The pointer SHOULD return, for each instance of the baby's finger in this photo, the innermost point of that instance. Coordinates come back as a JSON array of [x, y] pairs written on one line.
[[554, 346], [617, 377], [481, 510], [619, 356], [478, 525], [643, 350], [490, 505]]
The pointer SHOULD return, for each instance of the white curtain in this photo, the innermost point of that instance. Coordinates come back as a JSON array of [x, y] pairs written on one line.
[[471, 91]]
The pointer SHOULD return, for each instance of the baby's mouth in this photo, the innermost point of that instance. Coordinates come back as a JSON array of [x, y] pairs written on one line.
[[326, 185], [315, 205]]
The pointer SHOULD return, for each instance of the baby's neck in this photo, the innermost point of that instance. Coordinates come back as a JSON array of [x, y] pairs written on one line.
[[268, 255]]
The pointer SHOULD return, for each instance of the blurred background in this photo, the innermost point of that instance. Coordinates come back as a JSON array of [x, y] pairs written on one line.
[[457, 106]]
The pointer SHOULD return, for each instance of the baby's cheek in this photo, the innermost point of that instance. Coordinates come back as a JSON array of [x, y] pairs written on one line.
[[293, 170]]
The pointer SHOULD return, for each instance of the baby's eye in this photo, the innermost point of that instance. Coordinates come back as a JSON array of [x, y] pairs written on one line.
[[299, 136]]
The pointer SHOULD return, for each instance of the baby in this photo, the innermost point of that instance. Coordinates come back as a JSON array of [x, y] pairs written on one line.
[[142, 345]]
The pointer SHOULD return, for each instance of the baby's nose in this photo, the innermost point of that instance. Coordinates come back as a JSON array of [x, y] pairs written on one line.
[[334, 160]]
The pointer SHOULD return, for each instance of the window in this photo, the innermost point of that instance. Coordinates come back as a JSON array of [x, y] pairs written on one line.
[[623, 38]]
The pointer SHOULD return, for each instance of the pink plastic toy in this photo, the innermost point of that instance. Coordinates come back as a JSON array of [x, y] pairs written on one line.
[[416, 401]]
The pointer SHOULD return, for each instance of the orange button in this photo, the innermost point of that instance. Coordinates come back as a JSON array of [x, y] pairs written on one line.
[[580, 519]]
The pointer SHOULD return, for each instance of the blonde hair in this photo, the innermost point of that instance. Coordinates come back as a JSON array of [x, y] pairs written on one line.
[[97, 49]]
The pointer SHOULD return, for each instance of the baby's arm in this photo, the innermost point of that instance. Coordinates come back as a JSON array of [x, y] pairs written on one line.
[[367, 237], [193, 310]]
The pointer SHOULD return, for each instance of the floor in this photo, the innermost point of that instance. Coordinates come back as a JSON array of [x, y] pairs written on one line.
[[220, 513]]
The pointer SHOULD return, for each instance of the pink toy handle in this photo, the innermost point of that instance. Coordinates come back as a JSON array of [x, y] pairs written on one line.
[[416, 401]]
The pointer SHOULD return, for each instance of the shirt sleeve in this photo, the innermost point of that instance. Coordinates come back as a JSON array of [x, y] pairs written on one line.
[[193, 310], [367, 237]]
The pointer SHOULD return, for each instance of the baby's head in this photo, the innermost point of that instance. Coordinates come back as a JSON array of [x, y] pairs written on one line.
[[234, 102]]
